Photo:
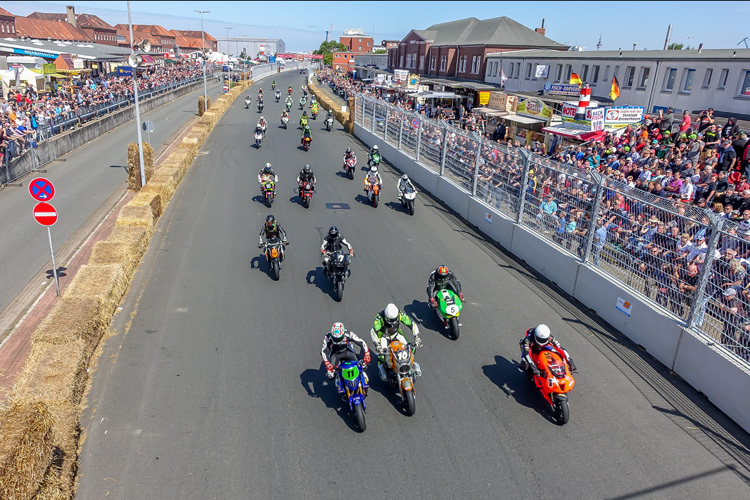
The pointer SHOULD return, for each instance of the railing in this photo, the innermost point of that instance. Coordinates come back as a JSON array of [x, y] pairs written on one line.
[[682, 259]]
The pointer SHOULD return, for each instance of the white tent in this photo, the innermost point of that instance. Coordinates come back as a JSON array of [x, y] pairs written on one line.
[[24, 75]]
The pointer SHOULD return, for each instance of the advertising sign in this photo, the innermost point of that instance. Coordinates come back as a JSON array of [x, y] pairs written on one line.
[[542, 71], [400, 75], [561, 89], [124, 71], [49, 68], [597, 119], [622, 116], [484, 97], [535, 108], [413, 81]]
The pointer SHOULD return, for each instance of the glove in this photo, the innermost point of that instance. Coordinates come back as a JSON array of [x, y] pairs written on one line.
[[572, 364], [461, 296], [285, 242], [260, 244], [367, 358], [433, 302], [535, 371], [329, 367], [351, 251], [322, 252], [418, 341]]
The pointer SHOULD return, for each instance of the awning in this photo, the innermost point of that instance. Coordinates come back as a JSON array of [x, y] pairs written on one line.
[[432, 95], [479, 86], [490, 111], [147, 59], [524, 119], [579, 134]]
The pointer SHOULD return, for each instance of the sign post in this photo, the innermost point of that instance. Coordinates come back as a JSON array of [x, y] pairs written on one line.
[[46, 215]]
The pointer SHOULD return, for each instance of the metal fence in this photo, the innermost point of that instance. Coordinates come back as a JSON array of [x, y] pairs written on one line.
[[681, 258]]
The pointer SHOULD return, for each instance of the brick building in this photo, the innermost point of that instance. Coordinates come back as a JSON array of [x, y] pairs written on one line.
[[389, 44], [190, 41], [344, 61], [97, 29], [356, 40], [459, 49], [7, 24]]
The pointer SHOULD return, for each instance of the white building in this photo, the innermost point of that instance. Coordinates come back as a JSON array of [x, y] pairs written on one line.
[[251, 46], [683, 79]]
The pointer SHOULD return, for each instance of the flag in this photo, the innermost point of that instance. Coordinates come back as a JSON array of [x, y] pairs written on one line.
[[574, 78], [614, 93], [502, 76]]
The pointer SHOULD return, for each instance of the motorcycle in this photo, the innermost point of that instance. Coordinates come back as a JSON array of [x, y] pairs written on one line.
[[373, 193], [350, 165], [329, 123], [401, 371], [285, 121], [554, 381], [338, 271], [407, 198], [278, 96], [302, 102], [269, 192], [448, 310], [314, 114], [247, 102], [373, 160], [303, 121], [260, 106], [258, 138], [351, 380], [288, 105], [306, 194], [274, 252], [306, 143], [273, 86], [289, 91]]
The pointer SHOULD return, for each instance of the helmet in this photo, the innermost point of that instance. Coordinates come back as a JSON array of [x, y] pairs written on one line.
[[390, 314], [270, 223], [307, 168], [338, 333], [262, 118], [334, 231], [541, 334], [375, 147], [442, 271], [307, 127], [304, 113], [348, 151], [405, 177], [267, 168], [373, 170]]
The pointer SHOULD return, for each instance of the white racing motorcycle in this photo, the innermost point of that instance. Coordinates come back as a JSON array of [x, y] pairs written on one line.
[[408, 196]]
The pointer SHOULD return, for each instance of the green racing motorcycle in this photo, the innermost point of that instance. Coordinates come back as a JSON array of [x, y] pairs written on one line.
[[448, 309]]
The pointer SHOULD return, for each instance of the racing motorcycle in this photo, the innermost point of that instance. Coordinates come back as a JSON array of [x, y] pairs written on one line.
[[554, 381], [269, 192], [338, 271], [314, 114], [373, 160], [285, 121], [260, 106], [448, 310], [306, 143], [303, 121], [247, 102], [306, 194], [258, 138], [352, 382], [302, 101], [402, 371], [329, 122], [407, 198], [373, 193], [278, 96], [274, 251], [350, 165], [289, 104]]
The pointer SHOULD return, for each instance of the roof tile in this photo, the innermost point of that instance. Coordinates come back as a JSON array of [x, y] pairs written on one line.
[[39, 28]]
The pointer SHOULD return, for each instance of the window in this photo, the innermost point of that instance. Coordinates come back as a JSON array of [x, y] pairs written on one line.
[[745, 89], [723, 79], [432, 63], [558, 72], [643, 80], [595, 74], [707, 78], [475, 64], [360, 48], [669, 78], [402, 61], [528, 70], [360, 40], [605, 76], [629, 76], [2, 27], [568, 72], [585, 73], [518, 70], [443, 62], [421, 63], [688, 76]]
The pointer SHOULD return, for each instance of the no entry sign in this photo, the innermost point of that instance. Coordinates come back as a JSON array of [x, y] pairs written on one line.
[[41, 189], [45, 214]]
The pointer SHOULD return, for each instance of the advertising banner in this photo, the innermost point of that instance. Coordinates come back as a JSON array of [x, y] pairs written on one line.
[[535, 108], [542, 71], [562, 89], [484, 97], [597, 119]]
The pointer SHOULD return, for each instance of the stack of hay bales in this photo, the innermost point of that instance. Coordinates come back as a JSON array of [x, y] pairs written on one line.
[[346, 119], [39, 428], [134, 165]]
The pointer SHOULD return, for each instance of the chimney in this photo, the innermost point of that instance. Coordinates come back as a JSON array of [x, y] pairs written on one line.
[[700, 48], [71, 13], [541, 30]]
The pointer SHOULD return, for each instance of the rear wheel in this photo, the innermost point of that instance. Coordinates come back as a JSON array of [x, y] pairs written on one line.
[[453, 326], [411, 403], [411, 208], [562, 411], [359, 417], [339, 290], [275, 270]]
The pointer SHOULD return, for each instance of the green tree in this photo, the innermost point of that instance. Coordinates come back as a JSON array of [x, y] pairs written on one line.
[[379, 51], [678, 46], [327, 49]]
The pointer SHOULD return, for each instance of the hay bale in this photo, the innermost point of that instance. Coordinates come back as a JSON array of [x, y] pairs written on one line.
[[190, 144], [148, 199], [106, 283], [180, 157], [73, 318], [132, 215], [106, 253], [169, 174], [59, 482], [201, 106], [54, 373], [134, 165], [26, 448]]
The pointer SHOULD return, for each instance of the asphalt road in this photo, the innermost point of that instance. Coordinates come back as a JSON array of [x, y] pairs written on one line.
[[83, 182], [214, 387]]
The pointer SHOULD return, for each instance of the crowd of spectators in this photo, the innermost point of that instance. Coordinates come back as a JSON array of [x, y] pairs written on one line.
[[29, 116]]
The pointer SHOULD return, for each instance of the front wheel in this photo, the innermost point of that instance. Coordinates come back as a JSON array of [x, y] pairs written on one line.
[[411, 207], [359, 417], [375, 200], [411, 403], [351, 173], [269, 199], [562, 411], [306, 201], [275, 270], [453, 327], [339, 287]]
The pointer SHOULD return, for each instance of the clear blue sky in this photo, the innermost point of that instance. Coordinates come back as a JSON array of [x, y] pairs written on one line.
[[302, 25]]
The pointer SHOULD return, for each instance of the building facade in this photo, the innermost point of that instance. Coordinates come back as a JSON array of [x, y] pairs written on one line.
[[251, 46], [344, 61], [97, 29], [356, 40], [681, 79]]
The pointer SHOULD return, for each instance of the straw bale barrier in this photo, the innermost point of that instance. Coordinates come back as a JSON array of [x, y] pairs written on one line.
[[54, 373], [131, 215], [73, 318], [147, 199], [106, 283], [328, 103], [201, 106], [26, 448], [169, 174], [134, 165]]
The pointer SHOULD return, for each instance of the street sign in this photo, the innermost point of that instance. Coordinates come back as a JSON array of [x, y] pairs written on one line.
[[148, 126], [41, 189], [45, 214]]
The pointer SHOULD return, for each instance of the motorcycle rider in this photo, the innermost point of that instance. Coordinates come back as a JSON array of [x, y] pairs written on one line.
[[373, 151], [373, 177], [329, 114], [272, 229], [289, 103], [333, 242], [284, 114], [534, 340], [260, 94], [314, 107], [403, 182], [273, 85], [266, 174], [337, 343], [290, 90], [303, 120], [442, 278], [278, 95], [387, 328], [306, 133], [262, 124], [349, 155], [306, 175]]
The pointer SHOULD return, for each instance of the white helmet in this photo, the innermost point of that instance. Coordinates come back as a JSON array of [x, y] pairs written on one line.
[[405, 177], [373, 170], [391, 314], [375, 147], [541, 334]]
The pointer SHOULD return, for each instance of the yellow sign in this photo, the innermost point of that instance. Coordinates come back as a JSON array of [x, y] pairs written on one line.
[[484, 97], [535, 108], [49, 68]]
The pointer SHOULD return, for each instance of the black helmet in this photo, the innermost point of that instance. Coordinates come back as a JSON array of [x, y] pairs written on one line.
[[334, 231], [307, 168], [304, 113], [270, 223]]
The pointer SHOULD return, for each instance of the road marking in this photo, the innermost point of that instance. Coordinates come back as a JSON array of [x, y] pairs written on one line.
[[337, 206]]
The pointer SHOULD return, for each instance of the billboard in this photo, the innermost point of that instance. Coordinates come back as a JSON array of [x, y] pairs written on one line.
[[535, 108]]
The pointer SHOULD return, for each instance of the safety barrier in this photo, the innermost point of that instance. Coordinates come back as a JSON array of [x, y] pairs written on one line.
[[640, 261]]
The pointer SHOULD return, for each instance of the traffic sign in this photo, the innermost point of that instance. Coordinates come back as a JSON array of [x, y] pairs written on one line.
[[41, 189], [45, 214]]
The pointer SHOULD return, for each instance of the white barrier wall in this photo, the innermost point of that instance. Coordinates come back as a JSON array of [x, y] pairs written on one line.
[[721, 379]]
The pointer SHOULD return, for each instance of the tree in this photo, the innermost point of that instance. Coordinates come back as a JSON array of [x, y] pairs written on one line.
[[379, 51], [678, 46], [328, 48]]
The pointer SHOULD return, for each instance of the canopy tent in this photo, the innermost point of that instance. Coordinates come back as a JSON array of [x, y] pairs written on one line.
[[434, 95], [577, 133], [490, 111], [24, 75], [527, 120]]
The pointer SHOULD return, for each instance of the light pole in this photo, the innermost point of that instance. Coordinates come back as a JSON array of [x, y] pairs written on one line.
[[205, 62], [230, 68], [137, 108]]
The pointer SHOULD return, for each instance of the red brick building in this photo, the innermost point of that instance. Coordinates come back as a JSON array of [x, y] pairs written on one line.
[[97, 29], [356, 41], [459, 49], [7, 24], [344, 61]]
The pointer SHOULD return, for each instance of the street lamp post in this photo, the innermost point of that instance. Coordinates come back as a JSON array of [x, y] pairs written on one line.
[[230, 68], [137, 108], [205, 61]]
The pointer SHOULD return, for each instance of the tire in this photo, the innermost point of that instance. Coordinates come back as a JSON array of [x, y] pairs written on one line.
[[411, 208], [351, 173], [453, 327], [275, 270], [269, 200], [375, 201], [359, 417], [411, 403], [339, 288], [562, 411], [306, 202]]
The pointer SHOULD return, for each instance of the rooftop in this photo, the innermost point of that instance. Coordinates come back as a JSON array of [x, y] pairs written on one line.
[[42, 29], [51, 49], [705, 54], [82, 20], [500, 31]]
